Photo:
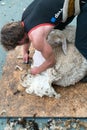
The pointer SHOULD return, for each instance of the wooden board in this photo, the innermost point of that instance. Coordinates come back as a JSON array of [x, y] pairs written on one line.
[[14, 101]]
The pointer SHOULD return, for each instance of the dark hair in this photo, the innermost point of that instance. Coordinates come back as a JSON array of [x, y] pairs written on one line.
[[11, 33]]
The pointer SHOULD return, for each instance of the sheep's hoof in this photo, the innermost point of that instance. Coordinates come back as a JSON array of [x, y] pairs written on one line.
[[84, 80], [57, 96]]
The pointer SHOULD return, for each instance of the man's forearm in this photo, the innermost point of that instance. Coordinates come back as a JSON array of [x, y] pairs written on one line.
[[25, 48], [50, 62], [25, 53]]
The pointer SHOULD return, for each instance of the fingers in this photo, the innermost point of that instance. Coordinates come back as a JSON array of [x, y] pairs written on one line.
[[34, 71], [26, 57]]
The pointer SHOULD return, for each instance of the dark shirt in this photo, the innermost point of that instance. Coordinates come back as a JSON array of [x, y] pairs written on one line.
[[84, 0], [42, 12]]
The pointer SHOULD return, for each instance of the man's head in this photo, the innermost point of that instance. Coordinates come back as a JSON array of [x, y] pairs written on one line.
[[11, 34]]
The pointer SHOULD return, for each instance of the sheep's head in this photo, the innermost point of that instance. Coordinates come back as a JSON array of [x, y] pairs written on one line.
[[39, 84], [56, 38]]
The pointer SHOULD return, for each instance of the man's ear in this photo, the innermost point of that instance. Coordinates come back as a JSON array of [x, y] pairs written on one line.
[[64, 45]]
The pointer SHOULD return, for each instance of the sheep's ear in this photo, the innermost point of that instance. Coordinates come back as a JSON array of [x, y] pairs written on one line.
[[64, 46]]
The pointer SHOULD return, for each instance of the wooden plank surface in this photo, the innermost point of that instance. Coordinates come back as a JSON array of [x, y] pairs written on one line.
[[16, 102]]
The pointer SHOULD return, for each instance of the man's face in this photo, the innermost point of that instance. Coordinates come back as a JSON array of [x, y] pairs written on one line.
[[24, 40]]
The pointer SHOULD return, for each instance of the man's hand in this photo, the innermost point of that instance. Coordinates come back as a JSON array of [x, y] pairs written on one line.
[[26, 58], [34, 70]]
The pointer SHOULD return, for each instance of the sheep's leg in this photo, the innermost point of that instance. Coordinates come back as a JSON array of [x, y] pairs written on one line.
[[56, 95]]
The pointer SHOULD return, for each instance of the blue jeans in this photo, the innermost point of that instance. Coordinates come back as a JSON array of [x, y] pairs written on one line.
[[81, 31]]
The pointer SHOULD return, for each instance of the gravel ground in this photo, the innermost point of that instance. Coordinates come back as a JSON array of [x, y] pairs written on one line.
[[34, 123]]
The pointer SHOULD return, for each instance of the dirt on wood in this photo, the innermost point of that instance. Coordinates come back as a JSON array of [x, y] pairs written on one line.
[[14, 101]]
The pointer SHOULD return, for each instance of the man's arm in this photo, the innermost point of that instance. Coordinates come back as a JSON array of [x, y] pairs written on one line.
[[46, 50], [25, 52], [50, 60]]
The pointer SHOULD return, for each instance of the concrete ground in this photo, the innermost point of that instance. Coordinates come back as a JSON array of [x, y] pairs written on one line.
[[14, 101], [10, 10]]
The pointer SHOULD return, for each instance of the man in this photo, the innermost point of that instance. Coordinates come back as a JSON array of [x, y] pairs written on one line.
[[40, 17]]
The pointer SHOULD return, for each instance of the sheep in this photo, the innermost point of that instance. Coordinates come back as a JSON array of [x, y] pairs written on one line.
[[70, 66]]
